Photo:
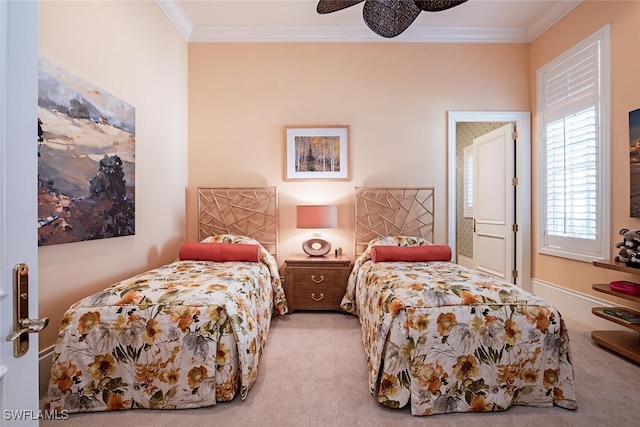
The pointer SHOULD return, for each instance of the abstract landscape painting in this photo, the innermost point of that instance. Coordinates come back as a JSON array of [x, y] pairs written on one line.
[[86, 160], [634, 159]]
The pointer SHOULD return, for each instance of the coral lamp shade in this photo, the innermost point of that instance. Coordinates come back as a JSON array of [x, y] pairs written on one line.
[[317, 216]]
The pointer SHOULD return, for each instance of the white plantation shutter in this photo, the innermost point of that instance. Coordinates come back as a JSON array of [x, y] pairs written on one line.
[[573, 128], [571, 176]]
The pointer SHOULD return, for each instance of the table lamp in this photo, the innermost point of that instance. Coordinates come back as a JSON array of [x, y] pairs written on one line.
[[317, 216]]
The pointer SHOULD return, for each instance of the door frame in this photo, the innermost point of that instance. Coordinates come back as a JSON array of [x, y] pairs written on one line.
[[523, 189]]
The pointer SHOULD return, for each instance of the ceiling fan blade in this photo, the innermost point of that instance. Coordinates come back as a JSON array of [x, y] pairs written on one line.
[[328, 6], [389, 18], [438, 5]]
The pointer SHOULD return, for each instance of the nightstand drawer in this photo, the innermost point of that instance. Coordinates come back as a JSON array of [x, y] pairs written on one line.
[[313, 276], [317, 297]]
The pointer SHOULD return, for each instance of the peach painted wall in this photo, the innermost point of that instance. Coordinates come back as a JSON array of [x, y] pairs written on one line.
[[131, 50], [584, 20], [239, 97], [395, 98]]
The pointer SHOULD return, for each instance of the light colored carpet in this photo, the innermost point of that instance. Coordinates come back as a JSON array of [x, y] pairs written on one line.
[[313, 373]]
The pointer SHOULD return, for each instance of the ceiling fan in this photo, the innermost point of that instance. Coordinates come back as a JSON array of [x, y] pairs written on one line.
[[389, 18]]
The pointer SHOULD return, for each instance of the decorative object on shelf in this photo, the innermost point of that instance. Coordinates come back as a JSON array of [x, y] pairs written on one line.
[[389, 18], [630, 244], [317, 153], [625, 286], [317, 216], [622, 313], [634, 260]]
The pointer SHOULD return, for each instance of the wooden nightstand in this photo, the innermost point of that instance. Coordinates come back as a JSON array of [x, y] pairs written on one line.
[[315, 283]]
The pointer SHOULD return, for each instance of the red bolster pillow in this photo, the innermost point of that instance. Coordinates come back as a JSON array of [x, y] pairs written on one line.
[[198, 251], [382, 253]]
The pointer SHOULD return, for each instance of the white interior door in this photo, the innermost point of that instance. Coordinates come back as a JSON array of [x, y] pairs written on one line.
[[18, 203], [493, 204]]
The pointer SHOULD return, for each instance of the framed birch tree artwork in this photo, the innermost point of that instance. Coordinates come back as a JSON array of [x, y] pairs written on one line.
[[317, 153]]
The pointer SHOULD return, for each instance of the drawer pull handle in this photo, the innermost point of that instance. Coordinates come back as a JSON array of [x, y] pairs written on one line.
[[313, 277], [313, 296]]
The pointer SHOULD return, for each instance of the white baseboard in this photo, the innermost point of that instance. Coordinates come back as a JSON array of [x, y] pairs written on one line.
[[574, 305], [44, 369], [465, 261]]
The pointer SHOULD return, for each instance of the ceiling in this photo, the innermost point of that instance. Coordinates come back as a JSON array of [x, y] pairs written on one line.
[[476, 21]]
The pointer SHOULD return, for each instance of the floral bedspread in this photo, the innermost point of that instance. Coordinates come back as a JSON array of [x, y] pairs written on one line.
[[450, 339], [183, 335]]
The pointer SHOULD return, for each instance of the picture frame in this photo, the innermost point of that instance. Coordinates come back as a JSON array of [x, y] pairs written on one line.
[[316, 153], [634, 163]]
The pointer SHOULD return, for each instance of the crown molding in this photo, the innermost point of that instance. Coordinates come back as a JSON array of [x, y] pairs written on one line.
[[178, 18], [354, 34], [553, 13], [351, 34]]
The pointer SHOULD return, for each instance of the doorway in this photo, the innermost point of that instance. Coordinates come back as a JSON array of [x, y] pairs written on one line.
[[489, 120]]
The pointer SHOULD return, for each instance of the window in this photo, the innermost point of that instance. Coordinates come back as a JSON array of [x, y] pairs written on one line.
[[468, 181], [573, 132]]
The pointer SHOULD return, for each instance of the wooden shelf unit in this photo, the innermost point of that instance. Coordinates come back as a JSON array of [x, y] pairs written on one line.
[[625, 343], [599, 311], [617, 266]]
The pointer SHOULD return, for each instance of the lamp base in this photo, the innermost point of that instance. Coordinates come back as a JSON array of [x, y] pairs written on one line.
[[316, 247]]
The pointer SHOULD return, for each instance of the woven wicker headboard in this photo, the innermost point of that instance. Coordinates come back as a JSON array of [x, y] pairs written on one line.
[[250, 211], [381, 211]]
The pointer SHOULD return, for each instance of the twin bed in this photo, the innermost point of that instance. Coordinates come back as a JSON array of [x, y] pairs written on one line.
[[184, 335], [438, 337]]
